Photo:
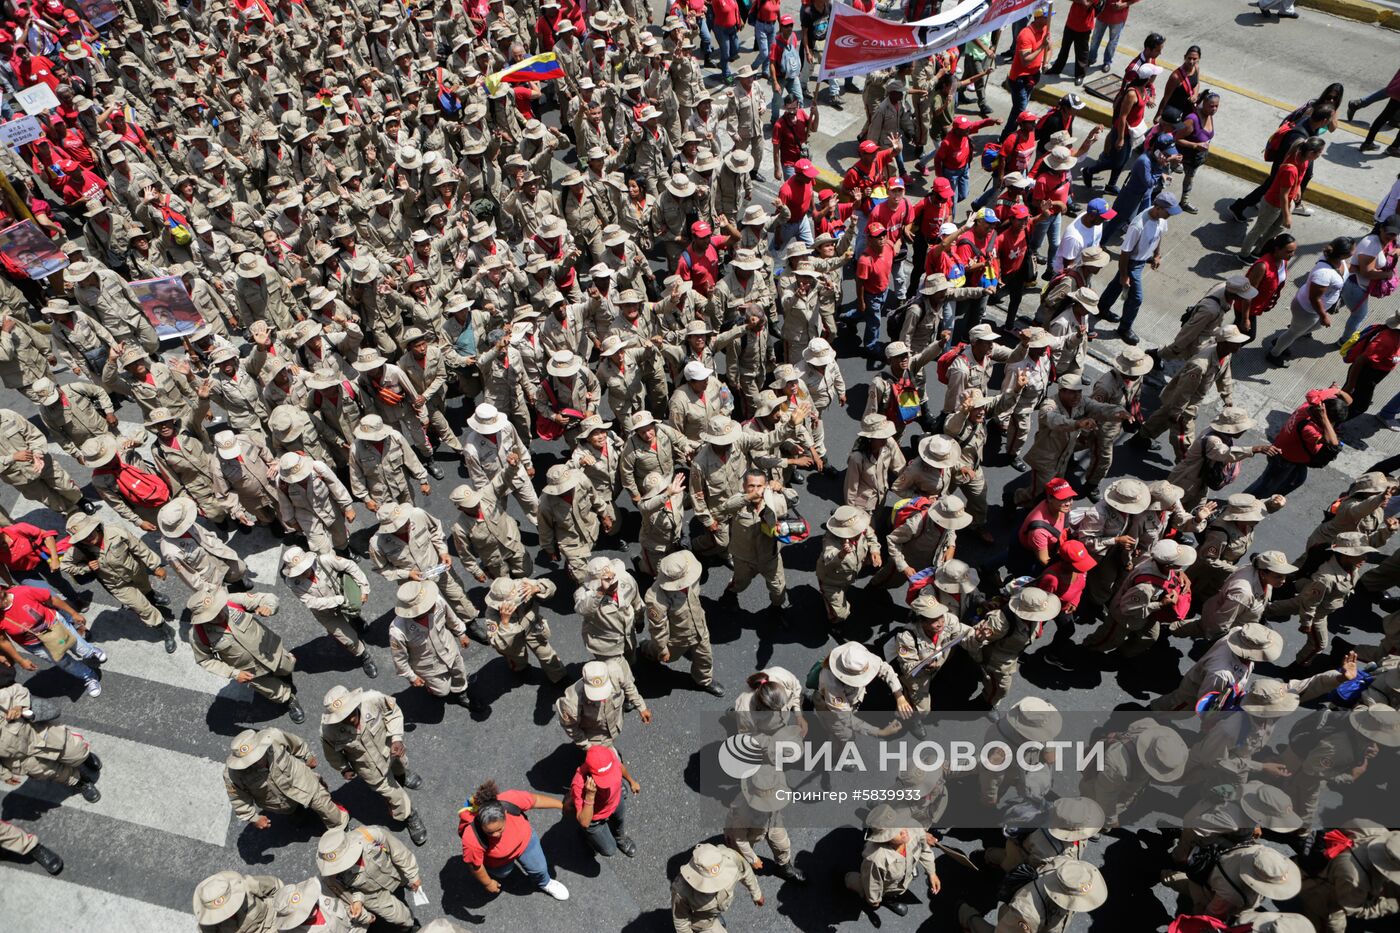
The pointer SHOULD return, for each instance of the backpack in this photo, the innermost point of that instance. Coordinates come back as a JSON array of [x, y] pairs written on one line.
[[178, 224], [945, 360], [1218, 475], [991, 274], [141, 488], [1203, 860], [1271, 147], [991, 157], [1016, 879], [1357, 343], [906, 509], [511, 810]]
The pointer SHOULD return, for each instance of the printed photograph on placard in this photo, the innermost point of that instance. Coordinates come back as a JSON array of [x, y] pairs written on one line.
[[167, 306], [28, 248]]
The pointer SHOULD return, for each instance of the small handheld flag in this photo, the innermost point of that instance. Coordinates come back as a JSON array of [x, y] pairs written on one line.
[[543, 67]]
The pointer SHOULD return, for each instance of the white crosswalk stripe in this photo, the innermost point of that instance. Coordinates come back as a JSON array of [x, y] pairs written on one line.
[[138, 786], [53, 905], [148, 660]]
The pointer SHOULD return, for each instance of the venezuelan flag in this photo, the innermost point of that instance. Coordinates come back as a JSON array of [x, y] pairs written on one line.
[[537, 68]]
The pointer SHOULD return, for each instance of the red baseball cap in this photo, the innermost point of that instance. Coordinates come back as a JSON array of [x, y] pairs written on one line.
[[1020, 210], [1025, 116], [874, 228], [786, 20], [897, 182], [1073, 551], [700, 228], [1060, 489], [806, 169], [600, 758], [961, 123], [943, 187], [827, 194], [869, 146]]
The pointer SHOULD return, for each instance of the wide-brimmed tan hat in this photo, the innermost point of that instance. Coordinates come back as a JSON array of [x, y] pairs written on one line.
[[560, 479], [295, 903], [44, 390], [1162, 753], [80, 525], [247, 748], [678, 571], [1169, 553], [819, 352], [1232, 420], [564, 363], [1038, 337], [848, 522], [955, 576], [884, 824], [1075, 885], [1231, 334], [340, 702], [1034, 604], [1384, 852], [393, 517], [1060, 159], [1269, 698], [368, 359], [710, 869], [415, 598], [939, 450], [927, 608], [1133, 362], [1254, 641], [596, 680], [1094, 257], [926, 781], [177, 516], [1074, 819], [877, 427], [1274, 562], [1379, 723], [763, 790], [1366, 484], [97, 450], [207, 604], [746, 260], [1129, 496], [1269, 807], [296, 561], [160, 415], [950, 512], [1352, 544], [680, 185], [1035, 719], [1264, 870], [219, 897], [638, 420], [293, 467], [1242, 507], [853, 664], [338, 850], [487, 419], [721, 431]]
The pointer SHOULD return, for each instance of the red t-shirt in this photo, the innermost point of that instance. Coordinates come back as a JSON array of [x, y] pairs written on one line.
[[865, 6], [775, 51], [1110, 14], [27, 611], [894, 217], [1383, 352], [796, 195], [939, 261], [930, 214], [23, 550], [874, 272], [956, 149], [1012, 248], [1033, 539], [1050, 186], [789, 135], [1300, 437], [609, 791], [726, 12], [966, 252], [702, 270], [1286, 183], [514, 837], [1081, 17], [768, 10], [1029, 38], [867, 176], [1059, 579]]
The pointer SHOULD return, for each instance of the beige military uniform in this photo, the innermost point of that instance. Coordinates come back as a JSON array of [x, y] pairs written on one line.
[[570, 529], [840, 562], [525, 629], [47, 753], [1028, 911], [385, 471], [1182, 398], [321, 589], [24, 357], [429, 379], [281, 782], [919, 658], [124, 565], [1350, 886], [1111, 389], [754, 550], [887, 872], [202, 560], [242, 643], [668, 451], [701, 912], [487, 538], [246, 478], [366, 749], [396, 559], [81, 419], [50, 485], [1318, 597], [189, 467], [432, 651], [384, 866], [1058, 434], [677, 626], [1240, 600], [316, 508], [587, 723], [841, 699]]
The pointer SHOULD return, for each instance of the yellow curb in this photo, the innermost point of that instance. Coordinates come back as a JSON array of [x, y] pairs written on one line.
[[1234, 164], [1358, 10]]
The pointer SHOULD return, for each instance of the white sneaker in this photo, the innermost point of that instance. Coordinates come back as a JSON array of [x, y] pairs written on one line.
[[556, 890], [94, 689], [99, 655]]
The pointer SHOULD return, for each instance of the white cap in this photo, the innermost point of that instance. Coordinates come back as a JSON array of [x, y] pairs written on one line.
[[696, 371]]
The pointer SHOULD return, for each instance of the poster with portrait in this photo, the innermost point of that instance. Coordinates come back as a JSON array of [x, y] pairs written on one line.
[[99, 12], [167, 306], [27, 247]]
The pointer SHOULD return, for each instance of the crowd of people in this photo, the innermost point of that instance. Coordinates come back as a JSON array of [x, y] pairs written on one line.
[[570, 294]]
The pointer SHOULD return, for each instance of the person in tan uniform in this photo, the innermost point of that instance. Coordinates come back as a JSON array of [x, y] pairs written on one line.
[[44, 752], [364, 867], [756, 816], [425, 641], [124, 565], [1062, 421], [1120, 386], [652, 448], [848, 547], [24, 355], [227, 640], [74, 414], [704, 890], [248, 469], [1361, 882], [1323, 592], [271, 771], [362, 737], [198, 556], [187, 465], [841, 687], [590, 711], [486, 537], [1004, 635], [232, 902], [308, 908], [514, 622], [676, 620], [313, 502], [922, 647], [18, 842], [26, 465], [570, 518], [411, 545], [925, 539], [1213, 460], [334, 589], [104, 455], [383, 467], [1182, 398], [662, 507], [610, 604], [894, 851], [151, 384], [874, 463], [426, 368], [1046, 903], [754, 517]]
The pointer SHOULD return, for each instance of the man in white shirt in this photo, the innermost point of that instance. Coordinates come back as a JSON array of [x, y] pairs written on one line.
[[1142, 246], [1086, 231]]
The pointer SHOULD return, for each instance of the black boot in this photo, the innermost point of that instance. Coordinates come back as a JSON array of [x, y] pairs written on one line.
[[416, 830], [790, 872], [89, 791], [434, 470], [898, 908], [159, 600], [626, 846], [714, 688], [47, 858], [167, 632], [92, 763], [88, 506], [368, 666], [411, 780], [295, 713]]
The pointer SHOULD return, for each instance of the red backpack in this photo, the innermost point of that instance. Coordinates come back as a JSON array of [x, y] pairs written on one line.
[[946, 358], [1271, 146], [141, 488], [1201, 923]]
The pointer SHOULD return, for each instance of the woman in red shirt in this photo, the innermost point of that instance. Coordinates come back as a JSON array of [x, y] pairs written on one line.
[[1374, 356], [1065, 577], [929, 215], [1078, 26], [1013, 248], [725, 26], [28, 614], [1276, 211], [1268, 274], [497, 838], [1307, 439], [598, 800]]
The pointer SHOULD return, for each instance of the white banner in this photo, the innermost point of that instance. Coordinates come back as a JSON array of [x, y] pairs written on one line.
[[18, 132]]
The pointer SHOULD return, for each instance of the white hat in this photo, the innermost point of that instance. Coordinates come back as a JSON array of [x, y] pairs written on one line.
[[696, 371], [597, 685]]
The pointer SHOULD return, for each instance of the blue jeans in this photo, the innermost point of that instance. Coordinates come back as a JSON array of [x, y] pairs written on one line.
[[1370, 99], [1020, 98], [1280, 477], [1113, 158], [707, 41], [958, 179], [531, 862], [1133, 304], [603, 834], [1050, 225], [1357, 297], [791, 85], [727, 39], [1391, 411], [1114, 32], [763, 34], [72, 660], [802, 230], [874, 307]]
